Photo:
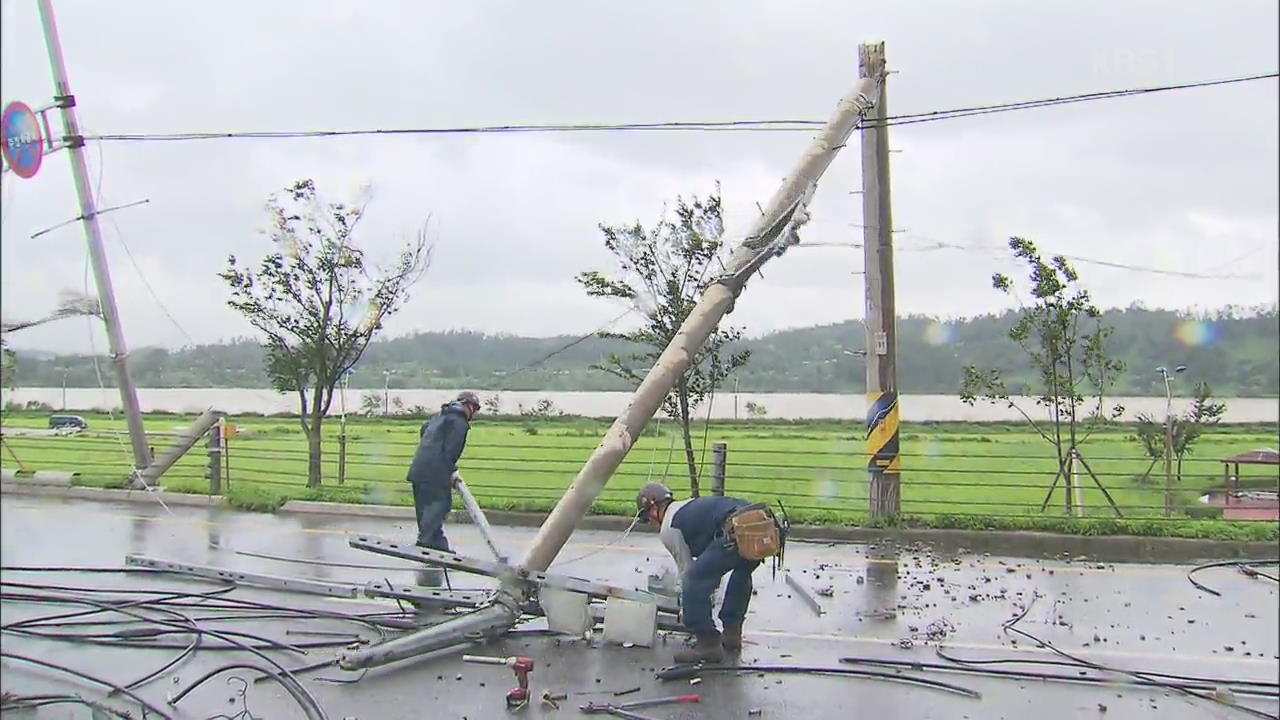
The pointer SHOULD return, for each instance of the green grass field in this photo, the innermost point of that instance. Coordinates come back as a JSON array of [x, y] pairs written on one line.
[[954, 475]]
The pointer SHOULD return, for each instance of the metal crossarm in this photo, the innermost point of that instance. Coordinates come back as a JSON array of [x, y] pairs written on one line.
[[492, 568]]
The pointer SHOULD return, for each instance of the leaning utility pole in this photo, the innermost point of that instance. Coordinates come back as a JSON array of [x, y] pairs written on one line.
[[93, 233], [883, 464], [773, 233]]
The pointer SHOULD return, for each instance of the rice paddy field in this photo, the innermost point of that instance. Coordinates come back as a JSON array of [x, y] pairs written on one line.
[[953, 475]]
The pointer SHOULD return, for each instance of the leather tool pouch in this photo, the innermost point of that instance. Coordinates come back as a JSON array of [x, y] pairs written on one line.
[[755, 531]]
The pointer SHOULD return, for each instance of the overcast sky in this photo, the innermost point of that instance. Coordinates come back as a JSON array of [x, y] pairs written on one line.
[[1181, 181]]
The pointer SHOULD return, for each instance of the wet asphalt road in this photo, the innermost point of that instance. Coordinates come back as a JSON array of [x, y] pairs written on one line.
[[885, 602]]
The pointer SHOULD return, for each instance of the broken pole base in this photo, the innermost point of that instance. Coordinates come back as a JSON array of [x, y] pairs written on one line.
[[487, 621]]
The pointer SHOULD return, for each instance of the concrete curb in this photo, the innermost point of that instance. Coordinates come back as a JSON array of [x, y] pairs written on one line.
[[1109, 548], [311, 507], [111, 494]]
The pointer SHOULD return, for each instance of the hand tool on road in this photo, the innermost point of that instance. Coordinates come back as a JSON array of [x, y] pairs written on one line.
[[614, 710], [520, 665], [477, 517], [623, 709]]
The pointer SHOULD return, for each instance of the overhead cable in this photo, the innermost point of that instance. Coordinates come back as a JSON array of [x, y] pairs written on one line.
[[793, 125]]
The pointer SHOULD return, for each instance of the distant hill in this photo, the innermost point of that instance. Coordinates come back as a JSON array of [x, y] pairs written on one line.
[[1235, 350]]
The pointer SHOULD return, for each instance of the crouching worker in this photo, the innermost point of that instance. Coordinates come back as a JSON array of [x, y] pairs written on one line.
[[434, 471], [710, 537]]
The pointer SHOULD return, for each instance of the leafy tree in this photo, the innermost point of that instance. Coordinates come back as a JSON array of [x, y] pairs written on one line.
[[317, 300], [8, 365], [544, 408], [1185, 429], [1064, 339], [493, 404], [662, 271], [370, 403], [756, 410]]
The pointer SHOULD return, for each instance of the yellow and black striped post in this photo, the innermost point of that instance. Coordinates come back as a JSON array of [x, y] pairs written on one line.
[[881, 318], [883, 461]]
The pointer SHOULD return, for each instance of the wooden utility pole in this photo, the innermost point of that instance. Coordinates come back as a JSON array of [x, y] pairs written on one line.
[[883, 464]]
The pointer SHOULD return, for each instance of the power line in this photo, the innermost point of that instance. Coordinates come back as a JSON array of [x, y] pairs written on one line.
[[1158, 271], [1108, 263], [794, 125], [939, 245], [102, 166], [568, 346]]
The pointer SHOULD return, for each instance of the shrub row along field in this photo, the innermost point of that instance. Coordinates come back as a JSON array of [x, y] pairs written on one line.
[[954, 475]]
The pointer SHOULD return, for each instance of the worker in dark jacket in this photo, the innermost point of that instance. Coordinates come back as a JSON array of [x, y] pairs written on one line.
[[693, 532], [434, 471]]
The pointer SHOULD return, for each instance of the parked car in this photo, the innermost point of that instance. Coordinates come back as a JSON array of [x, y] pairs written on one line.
[[74, 423]]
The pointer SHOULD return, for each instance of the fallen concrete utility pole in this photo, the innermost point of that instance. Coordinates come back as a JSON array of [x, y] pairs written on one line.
[[772, 234], [93, 234], [186, 440]]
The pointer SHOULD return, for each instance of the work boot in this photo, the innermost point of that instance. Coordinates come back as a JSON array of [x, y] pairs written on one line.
[[706, 648], [732, 638]]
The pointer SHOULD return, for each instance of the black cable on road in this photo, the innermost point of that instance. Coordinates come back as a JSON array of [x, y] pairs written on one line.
[[1245, 688], [37, 701], [1010, 626], [207, 600], [304, 668], [134, 637], [683, 672], [1228, 563], [174, 662], [1259, 684], [1251, 569], [90, 678], [305, 700], [185, 621]]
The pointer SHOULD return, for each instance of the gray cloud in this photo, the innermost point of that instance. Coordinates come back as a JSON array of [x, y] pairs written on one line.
[[1183, 181]]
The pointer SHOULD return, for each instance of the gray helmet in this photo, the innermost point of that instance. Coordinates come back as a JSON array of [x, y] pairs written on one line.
[[652, 494], [466, 397]]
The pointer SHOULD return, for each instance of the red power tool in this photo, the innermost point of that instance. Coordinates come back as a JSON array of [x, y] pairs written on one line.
[[521, 666]]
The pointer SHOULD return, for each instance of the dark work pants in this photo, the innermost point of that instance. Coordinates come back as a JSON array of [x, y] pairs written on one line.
[[703, 577], [431, 505]]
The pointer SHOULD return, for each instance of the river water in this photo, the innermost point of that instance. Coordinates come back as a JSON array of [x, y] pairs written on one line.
[[785, 406]]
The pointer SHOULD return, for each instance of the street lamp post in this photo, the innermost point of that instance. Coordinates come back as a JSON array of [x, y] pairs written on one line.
[[1168, 435], [64, 387], [342, 426], [386, 390]]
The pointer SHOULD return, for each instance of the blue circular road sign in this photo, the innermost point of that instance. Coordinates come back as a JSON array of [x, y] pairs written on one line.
[[23, 143]]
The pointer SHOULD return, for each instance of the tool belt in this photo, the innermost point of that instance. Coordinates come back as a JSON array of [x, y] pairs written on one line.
[[755, 531]]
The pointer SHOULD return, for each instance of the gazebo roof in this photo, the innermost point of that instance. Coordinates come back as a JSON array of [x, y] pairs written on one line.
[[1254, 457]]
